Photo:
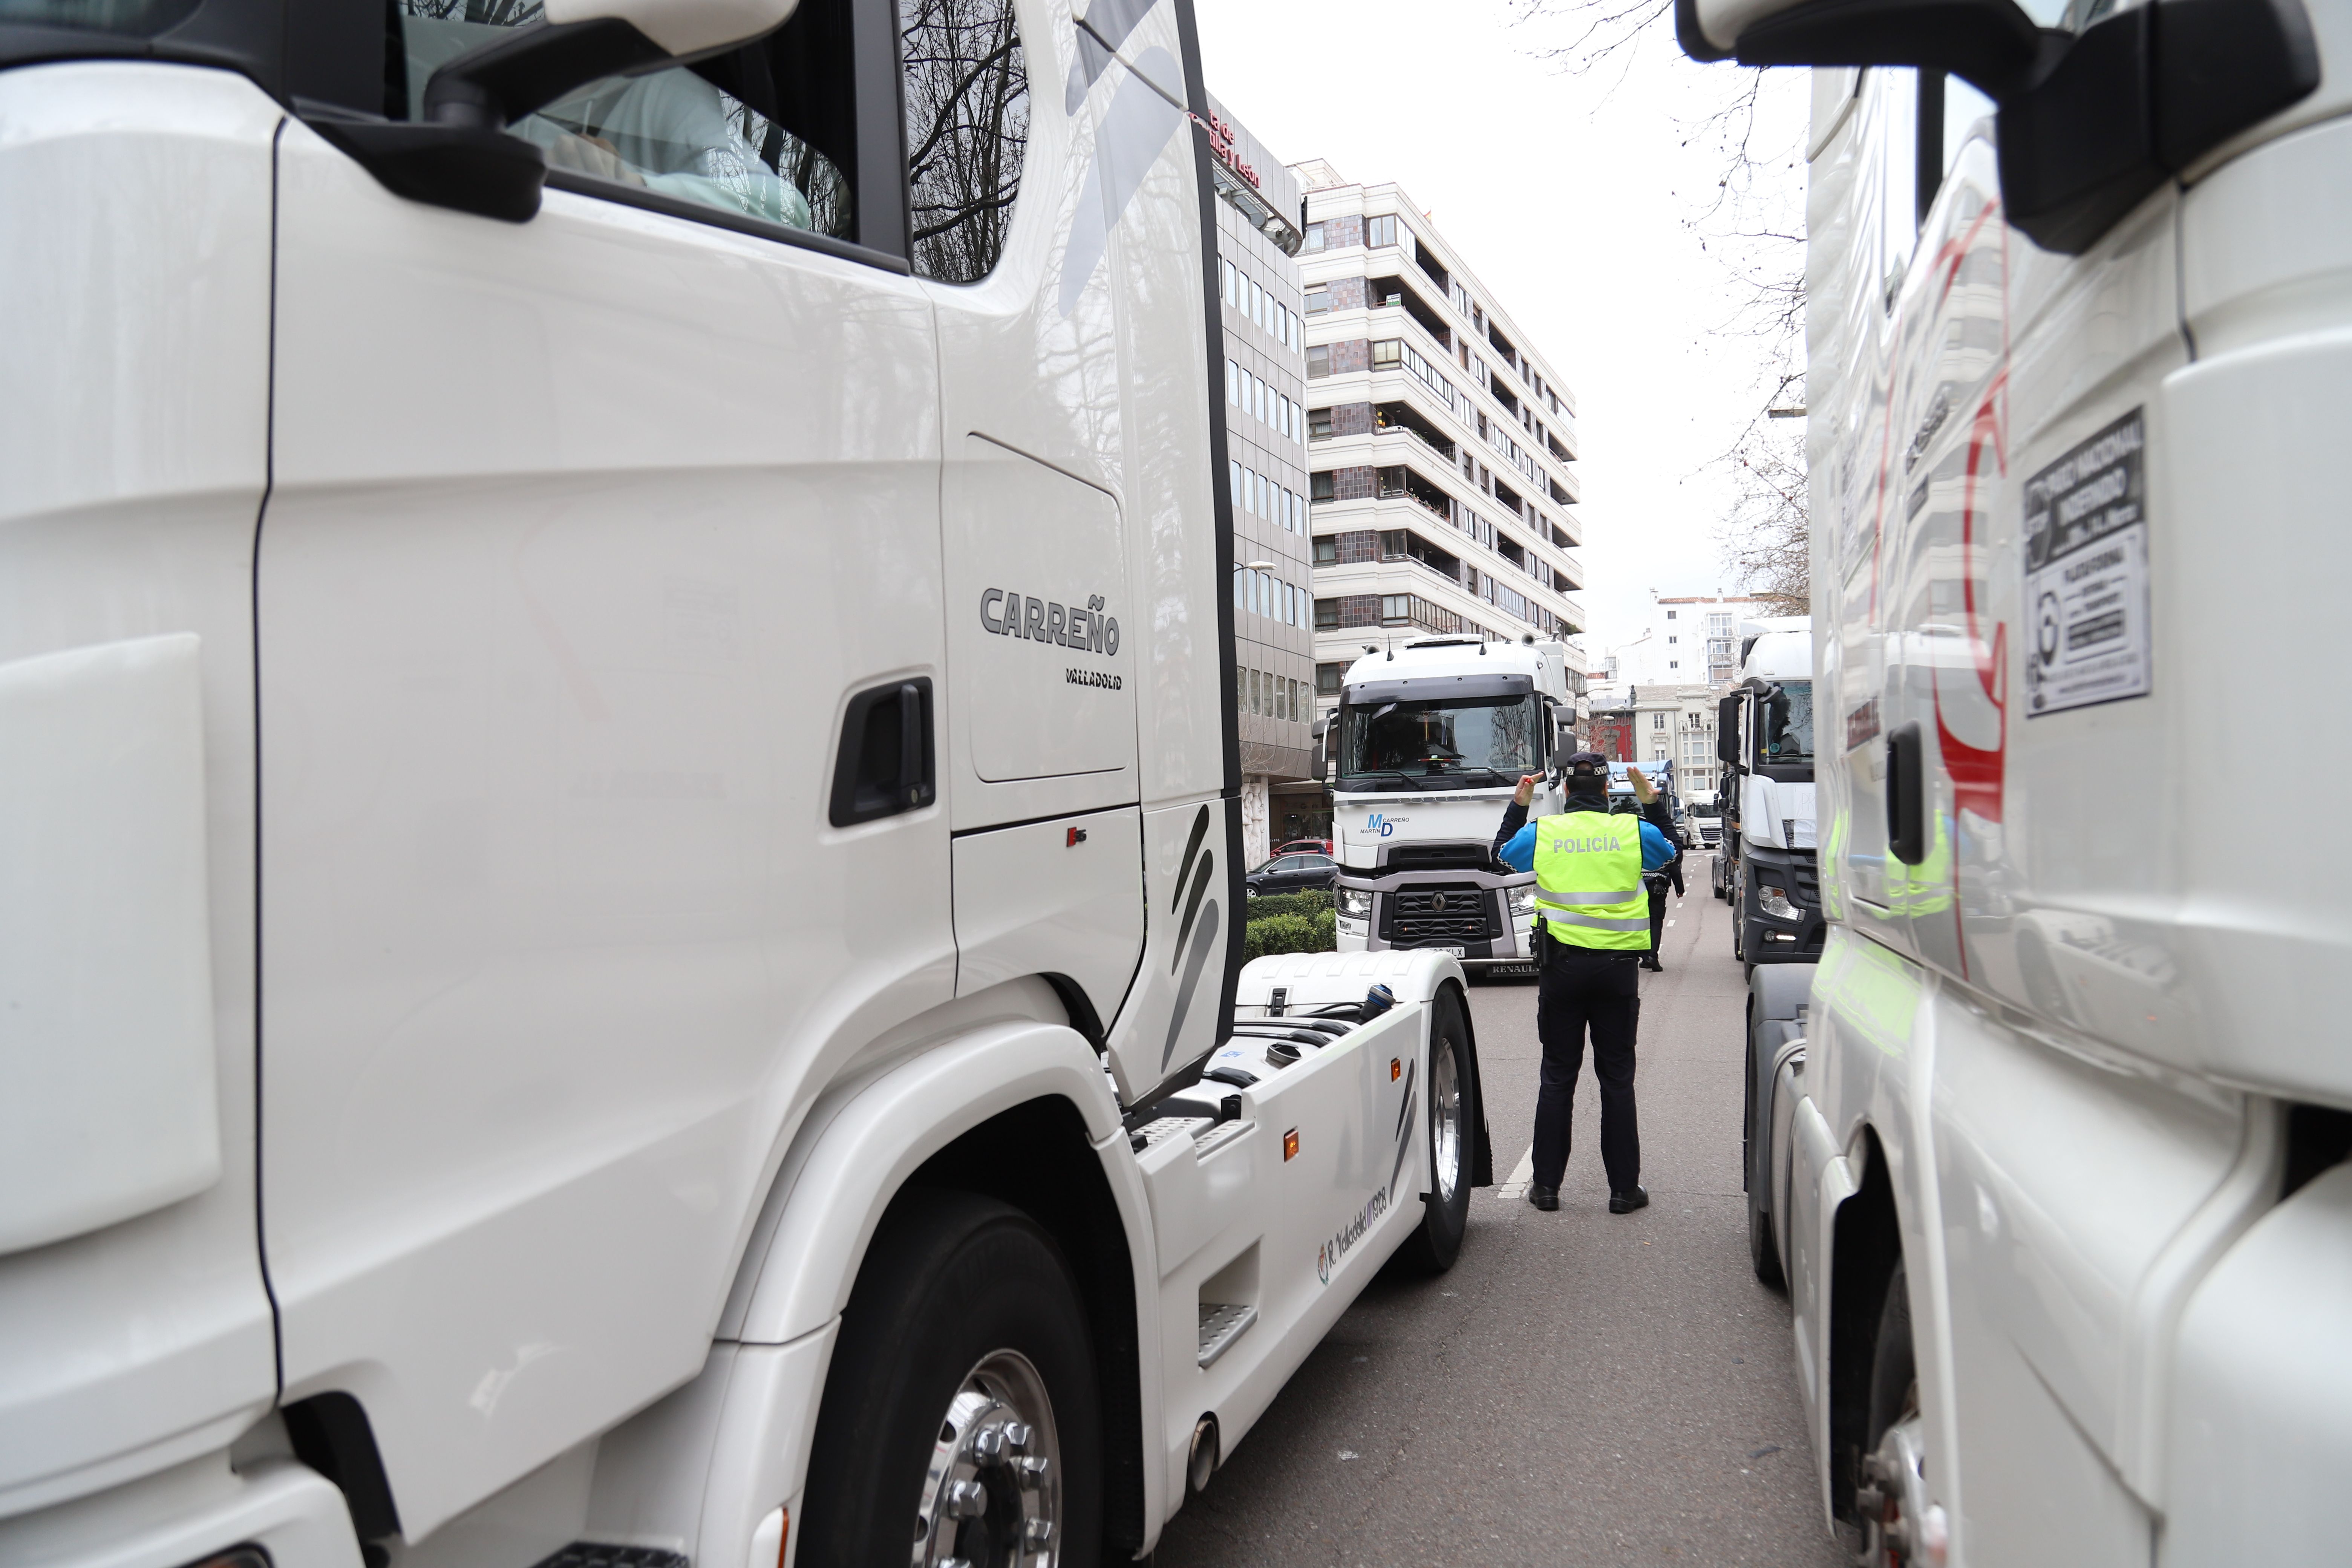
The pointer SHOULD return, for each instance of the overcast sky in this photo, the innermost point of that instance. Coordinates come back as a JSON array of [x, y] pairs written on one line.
[[1570, 197]]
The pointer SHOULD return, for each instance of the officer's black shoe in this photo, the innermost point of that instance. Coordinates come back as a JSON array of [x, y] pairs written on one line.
[[1544, 1198], [1627, 1202]]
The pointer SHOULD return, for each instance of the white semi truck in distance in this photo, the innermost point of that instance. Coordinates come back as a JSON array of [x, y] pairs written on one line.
[[2051, 1147], [620, 897], [1425, 751], [1767, 864]]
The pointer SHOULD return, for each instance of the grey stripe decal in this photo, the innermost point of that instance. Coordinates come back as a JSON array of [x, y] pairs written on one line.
[[1102, 29], [1134, 129], [1192, 848], [1203, 941], [1605, 896], [1200, 887], [1404, 1129]]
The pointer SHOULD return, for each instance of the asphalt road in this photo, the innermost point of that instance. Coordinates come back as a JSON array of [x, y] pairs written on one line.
[[1582, 1387]]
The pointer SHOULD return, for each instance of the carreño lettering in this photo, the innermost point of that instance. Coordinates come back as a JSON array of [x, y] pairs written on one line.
[[1009, 613]]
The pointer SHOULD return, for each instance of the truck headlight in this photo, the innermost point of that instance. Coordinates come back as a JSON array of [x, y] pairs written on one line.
[[1355, 903], [1775, 902], [1523, 900]]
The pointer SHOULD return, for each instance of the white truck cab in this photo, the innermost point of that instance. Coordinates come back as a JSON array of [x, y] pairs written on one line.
[[1433, 738], [1764, 739], [621, 932], [2051, 1151]]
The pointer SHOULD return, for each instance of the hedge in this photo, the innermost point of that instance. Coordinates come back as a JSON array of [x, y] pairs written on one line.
[[1314, 901], [1278, 933]]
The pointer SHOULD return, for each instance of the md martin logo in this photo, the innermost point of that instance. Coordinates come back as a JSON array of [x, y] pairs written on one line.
[[1381, 824], [1013, 615]]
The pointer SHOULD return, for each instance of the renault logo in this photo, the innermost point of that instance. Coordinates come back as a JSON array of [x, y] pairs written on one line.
[[1438, 903]]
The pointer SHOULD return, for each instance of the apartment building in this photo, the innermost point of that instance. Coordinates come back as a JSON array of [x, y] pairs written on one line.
[[1441, 443], [1691, 639], [1265, 330]]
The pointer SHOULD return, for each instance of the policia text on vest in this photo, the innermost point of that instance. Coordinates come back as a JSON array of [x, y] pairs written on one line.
[[1593, 925]]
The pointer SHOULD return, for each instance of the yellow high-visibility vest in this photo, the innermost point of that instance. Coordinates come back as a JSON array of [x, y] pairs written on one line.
[[1588, 881]]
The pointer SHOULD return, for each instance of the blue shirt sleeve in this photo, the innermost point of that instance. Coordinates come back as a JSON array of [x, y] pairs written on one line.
[[1519, 854], [1657, 850]]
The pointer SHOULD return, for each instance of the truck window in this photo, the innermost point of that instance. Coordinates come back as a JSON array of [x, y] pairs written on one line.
[[1788, 715], [1430, 739], [742, 132], [967, 98]]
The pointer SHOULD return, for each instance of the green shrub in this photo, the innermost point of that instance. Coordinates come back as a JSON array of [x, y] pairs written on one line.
[[1290, 933], [1314, 901]]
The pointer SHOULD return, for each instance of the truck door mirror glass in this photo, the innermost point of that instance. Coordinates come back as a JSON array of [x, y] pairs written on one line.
[[1726, 731]]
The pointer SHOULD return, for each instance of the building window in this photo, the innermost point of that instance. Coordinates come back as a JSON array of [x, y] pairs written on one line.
[[1319, 362], [1327, 615], [1318, 424], [1228, 268], [1673, 664], [1328, 677], [1327, 552], [1657, 720], [1323, 486], [1670, 615], [1673, 639], [1313, 237], [1380, 230], [1318, 299], [1388, 354], [1233, 382]]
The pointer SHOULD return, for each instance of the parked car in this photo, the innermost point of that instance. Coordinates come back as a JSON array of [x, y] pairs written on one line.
[[1305, 847], [1293, 874]]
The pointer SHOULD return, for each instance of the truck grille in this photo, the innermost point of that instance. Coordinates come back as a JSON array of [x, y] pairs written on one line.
[[1809, 883], [1412, 916]]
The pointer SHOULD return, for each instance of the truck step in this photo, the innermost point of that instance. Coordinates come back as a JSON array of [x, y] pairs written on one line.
[[1221, 1324], [595, 1555]]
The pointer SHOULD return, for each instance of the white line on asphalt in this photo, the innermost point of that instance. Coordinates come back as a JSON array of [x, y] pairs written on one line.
[[1670, 923], [1515, 1185]]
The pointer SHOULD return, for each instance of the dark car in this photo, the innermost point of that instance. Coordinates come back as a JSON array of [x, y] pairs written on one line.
[[1293, 874], [1305, 847]]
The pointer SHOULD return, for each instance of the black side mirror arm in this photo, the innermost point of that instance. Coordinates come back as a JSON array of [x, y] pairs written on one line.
[[459, 155]]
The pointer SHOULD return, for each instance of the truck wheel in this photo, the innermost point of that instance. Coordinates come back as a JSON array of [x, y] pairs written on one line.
[[1763, 1255], [1453, 1117], [961, 1420], [1899, 1526]]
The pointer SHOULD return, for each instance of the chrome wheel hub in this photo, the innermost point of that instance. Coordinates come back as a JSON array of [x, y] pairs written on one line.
[[1444, 1122], [993, 1496], [1900, 1527]]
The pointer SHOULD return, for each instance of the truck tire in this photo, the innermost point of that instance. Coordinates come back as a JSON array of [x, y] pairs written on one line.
[[1453, 1121], [1763, 1254], [1763, 1249], [961, 1406], [1899, 1527]]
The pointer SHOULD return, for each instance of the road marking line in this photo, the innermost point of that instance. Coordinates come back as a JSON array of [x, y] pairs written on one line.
[[1515, 1185]]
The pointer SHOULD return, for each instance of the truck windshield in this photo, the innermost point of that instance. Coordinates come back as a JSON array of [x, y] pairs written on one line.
[[1440, 740], [1787, 724]]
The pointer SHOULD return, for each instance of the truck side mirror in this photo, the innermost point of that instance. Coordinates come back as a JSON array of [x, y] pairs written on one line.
[[2090, 121], [459, 155], [1726, 731], [1322, 751]]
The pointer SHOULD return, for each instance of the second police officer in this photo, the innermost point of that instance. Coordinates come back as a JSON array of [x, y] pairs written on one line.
[[1593, 928]]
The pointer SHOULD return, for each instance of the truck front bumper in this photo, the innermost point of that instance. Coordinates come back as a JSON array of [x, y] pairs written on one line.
[[1468, 913], [190, 1514]]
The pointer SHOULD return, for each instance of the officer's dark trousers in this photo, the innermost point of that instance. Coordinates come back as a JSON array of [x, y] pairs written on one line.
[[1658, 916], [1587, 987]]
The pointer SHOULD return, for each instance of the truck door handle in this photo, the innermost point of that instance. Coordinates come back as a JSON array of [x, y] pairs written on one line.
[[886, 763], [1906, 793]]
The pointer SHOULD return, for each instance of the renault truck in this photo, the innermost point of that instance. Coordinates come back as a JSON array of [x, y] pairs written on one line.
[[1433, 738], [620, 830], [2051, 1150]]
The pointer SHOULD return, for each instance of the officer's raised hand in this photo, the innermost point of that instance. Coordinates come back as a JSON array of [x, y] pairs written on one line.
[[1526, 791]]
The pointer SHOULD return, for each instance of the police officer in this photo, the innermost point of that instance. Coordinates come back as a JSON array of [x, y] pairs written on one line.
[[1592, 926], [1655, 811]]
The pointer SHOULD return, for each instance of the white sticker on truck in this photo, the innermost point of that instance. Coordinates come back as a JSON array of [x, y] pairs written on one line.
[[2087, 573]]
